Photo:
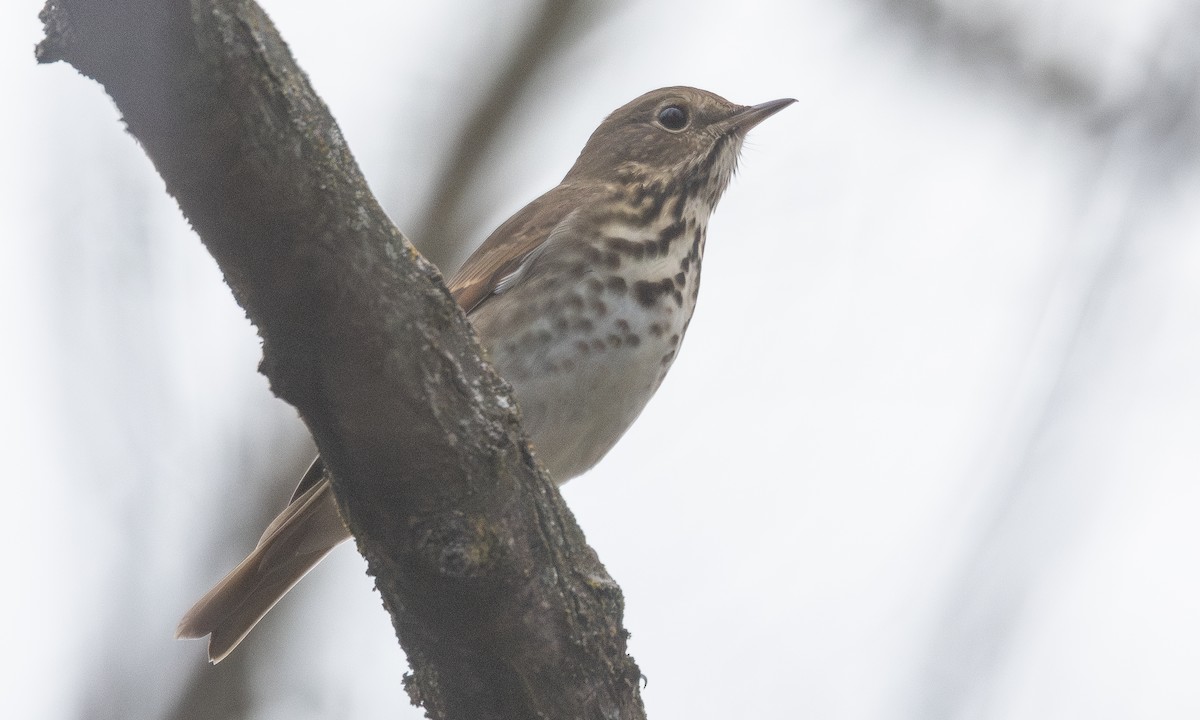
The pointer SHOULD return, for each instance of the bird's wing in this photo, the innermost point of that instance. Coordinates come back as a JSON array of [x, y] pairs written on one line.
[[500, 256], [496, 265], [499, 263]]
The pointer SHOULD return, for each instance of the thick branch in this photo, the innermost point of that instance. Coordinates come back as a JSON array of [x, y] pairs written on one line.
[[502, 608]]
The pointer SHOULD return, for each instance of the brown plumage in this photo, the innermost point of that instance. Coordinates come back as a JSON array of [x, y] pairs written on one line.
[[580, 300]]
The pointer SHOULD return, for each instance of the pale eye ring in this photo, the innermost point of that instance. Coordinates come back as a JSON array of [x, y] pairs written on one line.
[[673, 117]]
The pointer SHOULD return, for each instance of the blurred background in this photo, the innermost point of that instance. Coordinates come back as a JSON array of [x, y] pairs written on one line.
[[931, 450]]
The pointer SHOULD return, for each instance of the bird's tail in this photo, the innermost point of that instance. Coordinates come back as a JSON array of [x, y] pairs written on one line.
[[307, 529]]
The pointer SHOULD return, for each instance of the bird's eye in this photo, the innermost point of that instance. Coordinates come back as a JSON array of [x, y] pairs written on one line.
[[673, 117]]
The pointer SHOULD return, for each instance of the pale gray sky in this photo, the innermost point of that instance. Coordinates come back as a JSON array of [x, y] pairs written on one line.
[[930, 449]]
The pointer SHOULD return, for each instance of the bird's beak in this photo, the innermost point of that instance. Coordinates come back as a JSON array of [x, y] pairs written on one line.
[[743, 120]]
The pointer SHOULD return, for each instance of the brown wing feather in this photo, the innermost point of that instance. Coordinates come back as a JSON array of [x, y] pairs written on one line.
[[510, 243]]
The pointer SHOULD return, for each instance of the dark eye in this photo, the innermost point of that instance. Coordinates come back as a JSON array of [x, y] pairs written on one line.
[[673, 117]]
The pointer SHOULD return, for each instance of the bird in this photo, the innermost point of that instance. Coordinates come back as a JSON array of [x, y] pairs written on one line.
[[580, 301]]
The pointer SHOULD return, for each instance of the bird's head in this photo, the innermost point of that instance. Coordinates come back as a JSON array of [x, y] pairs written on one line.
[[673, 132]]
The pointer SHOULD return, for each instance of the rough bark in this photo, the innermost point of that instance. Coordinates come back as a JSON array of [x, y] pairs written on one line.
[[502, 608]]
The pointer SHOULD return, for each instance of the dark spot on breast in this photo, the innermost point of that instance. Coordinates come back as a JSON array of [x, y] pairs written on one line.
[[614, 341], [592, 254], [671, 232], [678, 297], [612, 260], [623, 246], [637, 193], [666, 359], [561, 324], [674, 340], [598, 345], [616, 284], [545, 336], [680, 279], [677, 209], [656, 193], [648, 293], [599, 307], [583, 325], [633, 340], [583, 347], [574, 301], [657, 330], [596, 285], [685, 263], [622, 325]]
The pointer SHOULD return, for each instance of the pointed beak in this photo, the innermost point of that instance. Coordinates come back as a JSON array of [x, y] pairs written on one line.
[[743, 120]]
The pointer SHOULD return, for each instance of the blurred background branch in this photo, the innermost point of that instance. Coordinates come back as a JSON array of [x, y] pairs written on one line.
[[447, 228]]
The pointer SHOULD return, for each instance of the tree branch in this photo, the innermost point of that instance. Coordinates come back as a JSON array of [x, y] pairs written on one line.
[[503, 609]]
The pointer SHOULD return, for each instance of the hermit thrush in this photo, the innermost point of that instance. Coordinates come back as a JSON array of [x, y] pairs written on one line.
[[580, 300]]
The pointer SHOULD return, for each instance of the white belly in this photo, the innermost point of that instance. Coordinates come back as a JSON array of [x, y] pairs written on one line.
[[576, 404], [587, 336], [582, 371]]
